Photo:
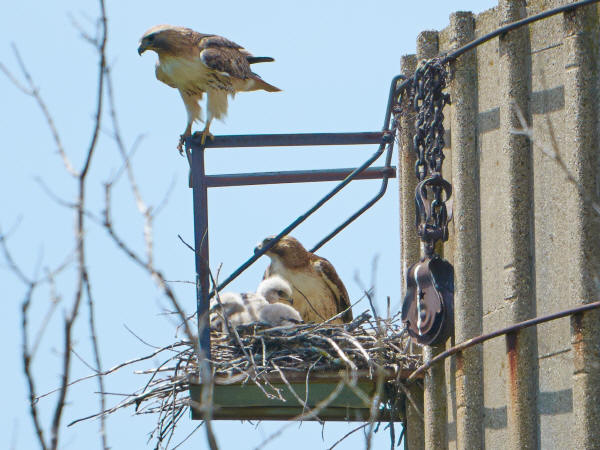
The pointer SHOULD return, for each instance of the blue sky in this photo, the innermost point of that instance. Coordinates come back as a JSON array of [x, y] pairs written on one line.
[[334, 62]]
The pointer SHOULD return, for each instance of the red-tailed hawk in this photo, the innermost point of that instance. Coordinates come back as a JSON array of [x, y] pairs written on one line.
[[318, 292], [195, 63]]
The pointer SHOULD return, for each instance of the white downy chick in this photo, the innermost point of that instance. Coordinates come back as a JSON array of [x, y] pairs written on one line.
[[275, 289], [253, 303], [277, 314], [278, 293], [233, 307]]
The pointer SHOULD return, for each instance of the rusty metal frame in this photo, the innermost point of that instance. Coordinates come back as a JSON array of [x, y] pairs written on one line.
[[200, 183]]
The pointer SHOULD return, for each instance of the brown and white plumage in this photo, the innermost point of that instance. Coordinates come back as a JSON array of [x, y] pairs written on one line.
[[318, 292], [195, 63]]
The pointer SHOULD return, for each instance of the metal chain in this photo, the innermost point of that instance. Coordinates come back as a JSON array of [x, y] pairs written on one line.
[[428, 100], [427, 309]]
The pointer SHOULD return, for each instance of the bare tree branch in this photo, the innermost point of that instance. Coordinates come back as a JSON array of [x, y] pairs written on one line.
[[33, 91], [358, 428], [83, 275], [26, 354]]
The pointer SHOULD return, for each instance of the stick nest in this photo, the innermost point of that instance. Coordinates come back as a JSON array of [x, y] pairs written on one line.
[[359, 345], [253, 352]]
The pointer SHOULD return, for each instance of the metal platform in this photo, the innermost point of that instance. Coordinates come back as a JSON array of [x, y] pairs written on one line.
[[246, 401]]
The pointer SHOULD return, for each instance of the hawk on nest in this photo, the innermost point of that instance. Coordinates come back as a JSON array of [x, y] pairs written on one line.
[[195, 63], [318, 293]]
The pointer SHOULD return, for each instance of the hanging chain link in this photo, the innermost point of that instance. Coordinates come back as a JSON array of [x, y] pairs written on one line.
[[428, 100]]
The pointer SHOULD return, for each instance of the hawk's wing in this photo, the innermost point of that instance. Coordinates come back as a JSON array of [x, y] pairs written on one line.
[[334, 283], [214, 41], [162, 76], [225, 56]]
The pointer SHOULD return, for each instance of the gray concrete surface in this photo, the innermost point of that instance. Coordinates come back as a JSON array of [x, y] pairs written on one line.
[[467, 251], [525, 240]]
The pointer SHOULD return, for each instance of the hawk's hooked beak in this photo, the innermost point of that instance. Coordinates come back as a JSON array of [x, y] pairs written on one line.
[[262, 245], [141, 49]]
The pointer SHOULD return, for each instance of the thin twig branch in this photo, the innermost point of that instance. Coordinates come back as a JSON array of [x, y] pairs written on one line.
[[33, 91]]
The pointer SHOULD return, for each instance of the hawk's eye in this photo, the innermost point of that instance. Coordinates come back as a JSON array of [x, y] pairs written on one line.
[[281, 294], [150, 38]]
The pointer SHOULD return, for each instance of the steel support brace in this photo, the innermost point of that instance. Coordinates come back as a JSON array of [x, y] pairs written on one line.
[[201, 249]]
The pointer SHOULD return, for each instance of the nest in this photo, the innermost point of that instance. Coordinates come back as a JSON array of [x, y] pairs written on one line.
[[357, 346], [254, 353]]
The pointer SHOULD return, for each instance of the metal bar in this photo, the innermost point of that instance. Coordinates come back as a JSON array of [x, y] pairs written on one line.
[[300, 219], [201, 246], [288, 140], [486, 337], [390, 173], [392, 97], [358, 213], [328, 196], [295, 176]]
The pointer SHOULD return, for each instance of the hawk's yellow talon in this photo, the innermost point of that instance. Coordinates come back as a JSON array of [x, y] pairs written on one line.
[[206, 134]]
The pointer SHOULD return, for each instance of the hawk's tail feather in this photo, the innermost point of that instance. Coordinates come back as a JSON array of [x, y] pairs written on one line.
[[261, 84], [259, 59]]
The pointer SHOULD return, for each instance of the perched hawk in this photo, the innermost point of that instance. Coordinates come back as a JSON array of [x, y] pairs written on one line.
[[195, 63], [318, 292]]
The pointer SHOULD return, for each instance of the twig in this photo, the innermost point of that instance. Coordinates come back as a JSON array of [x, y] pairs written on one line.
[[289, 386], [33, 91], [188, 436], [139, 338], [553, 152], [27, 369], [117, 367], [373, 413], [410, 398], [339, 441], [97, 359]]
